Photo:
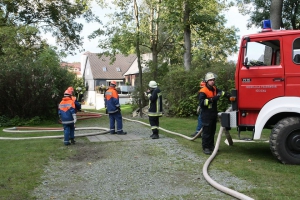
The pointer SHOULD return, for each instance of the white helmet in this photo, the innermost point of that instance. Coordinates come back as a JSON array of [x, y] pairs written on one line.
[[209, 76], [152, 84]]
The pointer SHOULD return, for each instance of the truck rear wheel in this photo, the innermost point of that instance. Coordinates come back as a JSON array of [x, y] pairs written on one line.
[[285, 140]]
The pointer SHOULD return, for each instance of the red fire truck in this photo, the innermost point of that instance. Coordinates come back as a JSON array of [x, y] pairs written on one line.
[[267, 90]]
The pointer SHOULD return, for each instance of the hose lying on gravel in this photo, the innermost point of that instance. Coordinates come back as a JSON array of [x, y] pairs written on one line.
[[106, 130], [208, 161]]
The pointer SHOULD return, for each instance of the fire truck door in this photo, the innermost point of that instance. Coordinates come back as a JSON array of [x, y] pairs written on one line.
[[262, 78], [292, 66]]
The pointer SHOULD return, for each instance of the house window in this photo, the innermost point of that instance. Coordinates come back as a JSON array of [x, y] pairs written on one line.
[[118, 69], [104, 69]]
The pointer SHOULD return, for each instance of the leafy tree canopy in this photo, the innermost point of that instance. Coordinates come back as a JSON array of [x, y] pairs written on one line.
[[259, 10], [211, 39], [25, 19]]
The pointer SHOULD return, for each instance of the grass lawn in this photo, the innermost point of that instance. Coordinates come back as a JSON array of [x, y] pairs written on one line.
[[23, 161]]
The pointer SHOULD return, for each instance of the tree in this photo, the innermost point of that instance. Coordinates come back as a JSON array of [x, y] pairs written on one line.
[[56, 16], [32, 84], [138, 52], [201, 32], [170, 28], [187, 35], [283, 13], [276, 13]]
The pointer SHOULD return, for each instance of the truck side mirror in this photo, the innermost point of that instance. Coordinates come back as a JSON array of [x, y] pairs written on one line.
[[246, 59], [246, 63]]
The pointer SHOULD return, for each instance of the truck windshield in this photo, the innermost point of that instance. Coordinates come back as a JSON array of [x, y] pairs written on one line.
[[262, 53]]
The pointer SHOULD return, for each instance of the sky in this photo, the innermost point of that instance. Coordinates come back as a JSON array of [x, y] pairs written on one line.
[[234, 18]]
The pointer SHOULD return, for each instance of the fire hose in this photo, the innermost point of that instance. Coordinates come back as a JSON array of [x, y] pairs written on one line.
[[106, 130], [82, 115], [37, 129], [209, 160]]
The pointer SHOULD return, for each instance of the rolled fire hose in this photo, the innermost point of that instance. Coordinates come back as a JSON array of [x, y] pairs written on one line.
[[204, 169]]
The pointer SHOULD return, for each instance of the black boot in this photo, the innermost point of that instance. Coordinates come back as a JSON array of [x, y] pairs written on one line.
[[207, 151], [155, 136], [152, 135], [73, 141], [121, 133]]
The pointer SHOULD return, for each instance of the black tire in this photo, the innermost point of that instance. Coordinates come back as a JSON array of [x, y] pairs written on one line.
[[285, 141]]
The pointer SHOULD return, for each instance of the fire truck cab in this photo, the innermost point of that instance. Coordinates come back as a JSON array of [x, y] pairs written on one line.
[[267, 90]]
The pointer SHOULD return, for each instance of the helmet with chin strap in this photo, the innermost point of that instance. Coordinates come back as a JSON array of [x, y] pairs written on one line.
[[71, 89], [67, 93], [209, 76], [113, 83], [152, 84]]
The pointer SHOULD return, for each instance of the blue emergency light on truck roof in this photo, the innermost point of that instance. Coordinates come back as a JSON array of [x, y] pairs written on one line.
[[266, 25]]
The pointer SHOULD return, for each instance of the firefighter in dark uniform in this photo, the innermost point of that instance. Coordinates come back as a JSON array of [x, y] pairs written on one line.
[[208, 99], [155, 108]]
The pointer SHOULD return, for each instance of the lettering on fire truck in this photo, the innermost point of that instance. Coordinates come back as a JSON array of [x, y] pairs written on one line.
[[246, 80], [260, 86]]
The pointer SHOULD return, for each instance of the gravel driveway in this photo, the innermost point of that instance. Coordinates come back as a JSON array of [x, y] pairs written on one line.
[[140, 169]]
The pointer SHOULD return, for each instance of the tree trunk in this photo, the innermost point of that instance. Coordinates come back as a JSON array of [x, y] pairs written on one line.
[[276, 14], [154, 25], [187, 36], [276, 23], [155, 62], [138, 53]]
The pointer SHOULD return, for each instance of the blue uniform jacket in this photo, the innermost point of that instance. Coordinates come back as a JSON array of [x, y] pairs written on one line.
[[66, 110], [112, 100]]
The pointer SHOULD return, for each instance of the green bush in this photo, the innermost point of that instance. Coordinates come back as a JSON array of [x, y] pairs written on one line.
[[32, 85], [181, 88], [17, 121]]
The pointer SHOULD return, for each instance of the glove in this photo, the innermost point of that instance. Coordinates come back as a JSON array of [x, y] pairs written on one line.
[[215, 98], [74, 118], [106, 111], [119, 109], [198, 110], [227, 95]]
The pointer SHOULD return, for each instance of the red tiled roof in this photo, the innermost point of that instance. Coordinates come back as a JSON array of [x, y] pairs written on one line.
[[74, 65]]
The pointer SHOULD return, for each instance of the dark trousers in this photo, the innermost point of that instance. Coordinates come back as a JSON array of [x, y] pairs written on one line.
[[209, 130], [69, 131], [154, 123], [199, 125], [115, 117]]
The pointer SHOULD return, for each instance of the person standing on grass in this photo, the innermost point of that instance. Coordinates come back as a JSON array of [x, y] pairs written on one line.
[[113, 109], [199, 125], [208, 98], [155, 108], [67, 115]]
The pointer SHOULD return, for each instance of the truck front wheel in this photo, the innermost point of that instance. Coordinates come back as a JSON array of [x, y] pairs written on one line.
[[285, 140]]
